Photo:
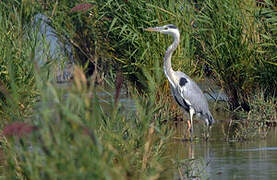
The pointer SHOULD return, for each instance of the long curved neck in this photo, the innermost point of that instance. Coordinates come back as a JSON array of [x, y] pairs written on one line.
[[167, 59]]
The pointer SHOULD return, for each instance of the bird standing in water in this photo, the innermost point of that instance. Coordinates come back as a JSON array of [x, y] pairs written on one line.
[[185, 91]]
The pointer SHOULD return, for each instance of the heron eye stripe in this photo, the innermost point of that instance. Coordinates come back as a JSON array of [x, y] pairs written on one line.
[[183, 81], [172, 26]]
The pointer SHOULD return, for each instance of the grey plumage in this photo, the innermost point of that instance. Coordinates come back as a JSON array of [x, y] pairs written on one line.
[[185, 91], [193, 96]]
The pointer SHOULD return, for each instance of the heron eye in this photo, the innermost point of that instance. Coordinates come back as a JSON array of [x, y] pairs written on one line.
[[166, 28]]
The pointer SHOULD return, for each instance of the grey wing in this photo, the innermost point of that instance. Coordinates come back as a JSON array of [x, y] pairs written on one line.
[[191, 93]]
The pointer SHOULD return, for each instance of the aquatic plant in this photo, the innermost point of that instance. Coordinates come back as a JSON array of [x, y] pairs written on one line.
[[237, 41], [256, 123]]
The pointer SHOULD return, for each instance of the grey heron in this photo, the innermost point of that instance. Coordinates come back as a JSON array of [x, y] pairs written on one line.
[[185, 91]]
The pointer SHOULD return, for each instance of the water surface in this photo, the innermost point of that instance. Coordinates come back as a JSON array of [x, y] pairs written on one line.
[[218, 159]]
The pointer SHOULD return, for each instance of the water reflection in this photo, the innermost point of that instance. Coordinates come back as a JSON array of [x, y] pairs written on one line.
[[229, 161], [222, 160]]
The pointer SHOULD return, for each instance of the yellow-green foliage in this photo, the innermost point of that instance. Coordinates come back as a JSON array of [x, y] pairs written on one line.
[[78, 138], [17, 89], [238, 42]]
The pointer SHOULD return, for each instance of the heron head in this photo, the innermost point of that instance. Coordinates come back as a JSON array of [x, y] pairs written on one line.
[[166, 29]]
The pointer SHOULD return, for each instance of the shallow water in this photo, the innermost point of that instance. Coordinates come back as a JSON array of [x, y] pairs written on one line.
[[217, 159]]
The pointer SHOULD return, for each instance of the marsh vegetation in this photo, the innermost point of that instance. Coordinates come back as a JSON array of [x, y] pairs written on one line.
[[53, 131]]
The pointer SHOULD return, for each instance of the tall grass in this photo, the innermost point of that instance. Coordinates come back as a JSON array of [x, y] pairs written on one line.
[[17, 89], [110, 35], [233, 41], [77, 138], [238, 42], [74, 137]]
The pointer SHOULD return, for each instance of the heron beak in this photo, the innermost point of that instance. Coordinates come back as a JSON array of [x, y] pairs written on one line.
[[153, 29]]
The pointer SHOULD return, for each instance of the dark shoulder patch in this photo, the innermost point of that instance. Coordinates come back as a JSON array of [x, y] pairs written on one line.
[[182, 81]]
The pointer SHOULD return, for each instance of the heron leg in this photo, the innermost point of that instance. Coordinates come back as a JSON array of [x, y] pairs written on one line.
[[208, 132], [191, 112], [189, 126]]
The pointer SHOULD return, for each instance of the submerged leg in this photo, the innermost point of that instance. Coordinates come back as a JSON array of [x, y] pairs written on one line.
[[189, 128], [189, 125], [208, 132]]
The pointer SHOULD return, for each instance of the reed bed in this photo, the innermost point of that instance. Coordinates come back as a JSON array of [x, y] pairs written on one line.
[[50, 131]]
